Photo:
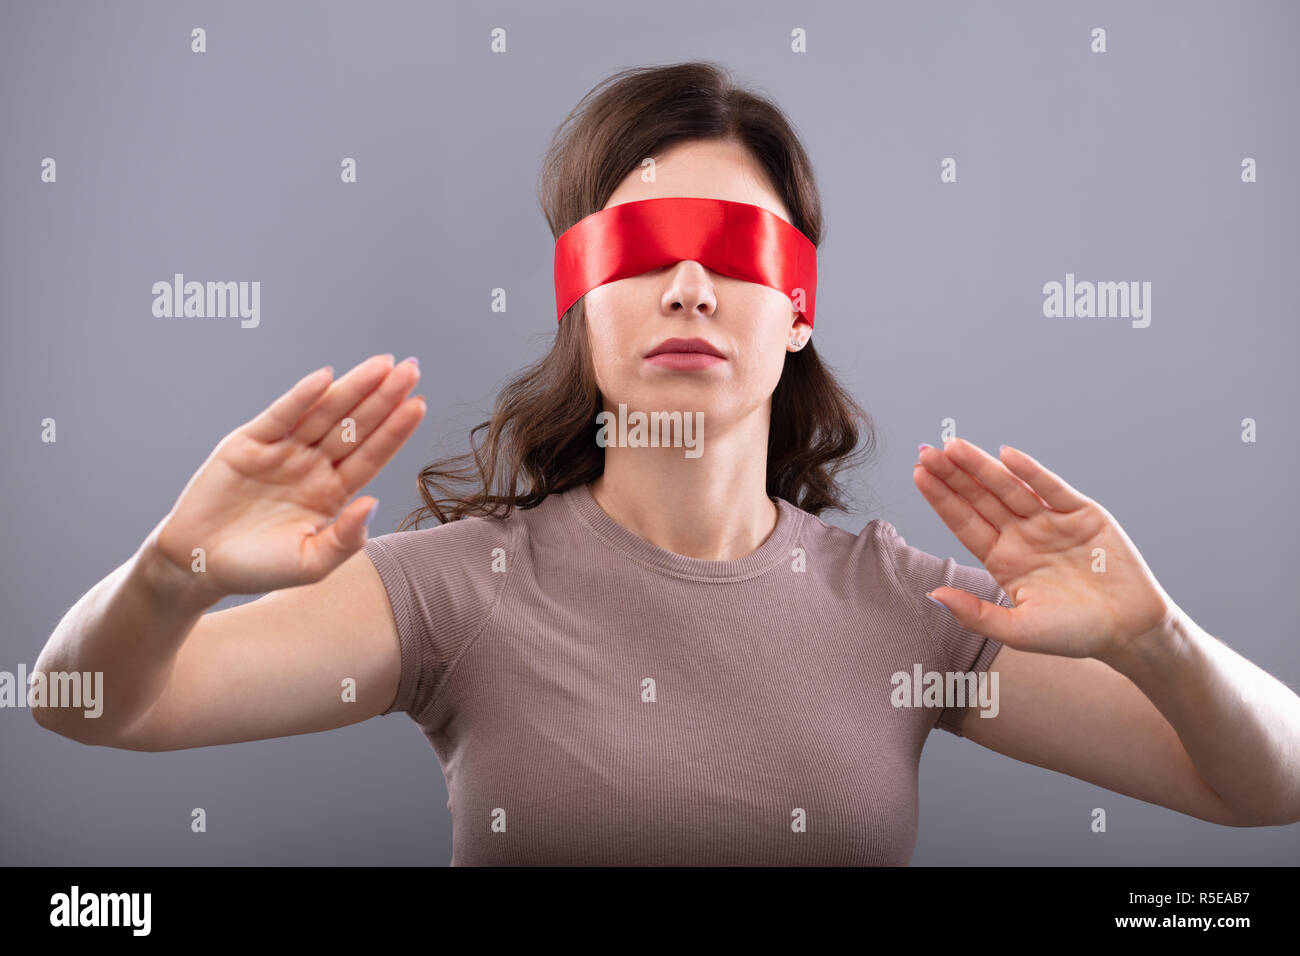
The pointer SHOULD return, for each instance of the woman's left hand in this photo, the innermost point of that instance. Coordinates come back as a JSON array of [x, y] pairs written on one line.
[[1080, 587]]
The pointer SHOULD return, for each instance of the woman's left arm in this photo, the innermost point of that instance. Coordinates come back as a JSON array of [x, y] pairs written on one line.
[[1102, 676]]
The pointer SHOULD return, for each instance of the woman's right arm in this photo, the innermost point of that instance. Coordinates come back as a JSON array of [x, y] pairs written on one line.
[[267, 512]]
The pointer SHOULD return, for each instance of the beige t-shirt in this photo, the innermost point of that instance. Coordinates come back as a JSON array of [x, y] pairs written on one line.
[[596, 700]]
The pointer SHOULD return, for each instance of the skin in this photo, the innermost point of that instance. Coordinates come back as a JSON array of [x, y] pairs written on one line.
[[713, 507], [1102, 676], [270, 507]]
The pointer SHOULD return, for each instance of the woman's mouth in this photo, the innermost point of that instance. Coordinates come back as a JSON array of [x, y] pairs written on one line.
[[685, 354]]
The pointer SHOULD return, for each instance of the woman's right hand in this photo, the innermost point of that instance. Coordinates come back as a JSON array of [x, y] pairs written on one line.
[[270, 506]]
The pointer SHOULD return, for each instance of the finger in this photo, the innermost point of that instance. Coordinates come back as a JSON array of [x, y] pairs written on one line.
[[282, 414], [1048, 485], [365, 418], [343, 396], [962, 520], [1014, 494], [981, 617], [356, 470], [335, 543], [980, 498]]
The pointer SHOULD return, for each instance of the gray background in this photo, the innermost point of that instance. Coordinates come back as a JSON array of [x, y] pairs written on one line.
[[225, 166]]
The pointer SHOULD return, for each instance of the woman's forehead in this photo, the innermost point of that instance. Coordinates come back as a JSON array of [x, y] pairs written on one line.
[[702, 169]]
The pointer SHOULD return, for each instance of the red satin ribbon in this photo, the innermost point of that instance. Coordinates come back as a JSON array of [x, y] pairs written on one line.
[[732, 238]]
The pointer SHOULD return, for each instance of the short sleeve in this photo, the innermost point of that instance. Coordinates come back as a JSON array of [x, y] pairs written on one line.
[[443, 584], [918, 573]]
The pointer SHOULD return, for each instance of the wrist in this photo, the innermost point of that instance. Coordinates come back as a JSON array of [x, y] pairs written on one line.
[[169, 585], [1153, 650]]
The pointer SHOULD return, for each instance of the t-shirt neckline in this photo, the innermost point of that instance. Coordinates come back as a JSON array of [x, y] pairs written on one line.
[[775, 549]]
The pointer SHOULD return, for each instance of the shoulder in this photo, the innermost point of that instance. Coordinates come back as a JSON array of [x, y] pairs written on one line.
[[471, 554], [870, 551], [882, 562], [444, 584], [464, 535]]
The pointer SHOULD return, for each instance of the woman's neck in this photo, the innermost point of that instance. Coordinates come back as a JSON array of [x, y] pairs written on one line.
[[714, 507]]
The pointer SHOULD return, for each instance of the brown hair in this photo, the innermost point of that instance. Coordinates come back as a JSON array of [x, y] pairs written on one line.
[[542, 431]]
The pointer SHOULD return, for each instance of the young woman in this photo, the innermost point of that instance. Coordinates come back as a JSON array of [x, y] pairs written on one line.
[[632, 655]]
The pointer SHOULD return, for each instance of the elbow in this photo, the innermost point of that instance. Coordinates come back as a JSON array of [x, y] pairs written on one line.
[[76, 724], [1276, 815], [1281, 811], [53, 719], [76, 731], [1276, 819], [47, 718], [40, 715]]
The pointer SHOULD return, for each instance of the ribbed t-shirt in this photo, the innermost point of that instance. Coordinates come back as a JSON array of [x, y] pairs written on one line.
[[594, 699]]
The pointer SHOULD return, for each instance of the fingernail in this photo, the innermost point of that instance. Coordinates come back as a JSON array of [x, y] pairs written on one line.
[[938, 602], [922, 445], [370, 515], [1001, 449], [947, 440], [412, 359]]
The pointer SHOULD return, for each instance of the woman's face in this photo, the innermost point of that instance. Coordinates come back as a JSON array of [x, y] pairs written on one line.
[[749, 323]]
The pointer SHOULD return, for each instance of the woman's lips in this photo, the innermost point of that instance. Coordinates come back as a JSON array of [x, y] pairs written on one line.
[[679, 353], [685, 360]]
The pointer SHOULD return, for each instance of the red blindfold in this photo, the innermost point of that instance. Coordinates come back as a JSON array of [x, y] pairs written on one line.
[[731, 238]]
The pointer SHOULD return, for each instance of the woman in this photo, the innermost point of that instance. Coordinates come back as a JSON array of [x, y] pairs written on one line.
[[633, 655]]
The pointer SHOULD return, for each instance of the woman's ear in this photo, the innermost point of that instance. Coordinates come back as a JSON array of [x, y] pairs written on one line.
[[800, 332]]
